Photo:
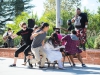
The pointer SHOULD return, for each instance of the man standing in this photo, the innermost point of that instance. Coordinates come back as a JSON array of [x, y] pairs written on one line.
[[80, 22], [37, 45]]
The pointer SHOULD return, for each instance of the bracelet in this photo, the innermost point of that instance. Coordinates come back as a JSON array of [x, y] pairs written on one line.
[[86, 26]]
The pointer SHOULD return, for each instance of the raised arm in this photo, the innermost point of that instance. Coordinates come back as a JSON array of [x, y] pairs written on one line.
[[14, 36]]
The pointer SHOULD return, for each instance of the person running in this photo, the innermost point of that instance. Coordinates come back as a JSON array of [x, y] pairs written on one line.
[[37, 45], [25, 33]]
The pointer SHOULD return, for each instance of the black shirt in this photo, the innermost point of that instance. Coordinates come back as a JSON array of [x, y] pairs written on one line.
[[83, 19], [71, 27], [26, 35]]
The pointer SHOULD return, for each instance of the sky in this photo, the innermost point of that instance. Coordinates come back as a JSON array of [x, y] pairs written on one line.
[[92, 5]]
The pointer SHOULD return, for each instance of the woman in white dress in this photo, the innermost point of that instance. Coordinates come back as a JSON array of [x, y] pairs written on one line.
[[52, 50]]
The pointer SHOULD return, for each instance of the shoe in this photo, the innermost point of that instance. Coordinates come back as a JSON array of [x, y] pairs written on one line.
[[24, 64], [83, 65], [73, 65], [13, 65], [30, 63], [42, 67], [61, 68]]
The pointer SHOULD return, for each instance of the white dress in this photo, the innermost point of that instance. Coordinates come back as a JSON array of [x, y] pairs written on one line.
[[52, 53]]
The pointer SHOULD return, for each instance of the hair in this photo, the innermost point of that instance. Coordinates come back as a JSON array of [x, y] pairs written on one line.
[[54, 40], [69, 22], [74, 32], [78, 9], [58, 31], [35, 27], [43, 25], [21, 24], [9, 29]]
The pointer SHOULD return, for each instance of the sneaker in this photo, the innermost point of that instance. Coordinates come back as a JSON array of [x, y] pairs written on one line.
[[83, 65], [42, 67], [73, 65], [30, 65], [61, 68], [13, 65]]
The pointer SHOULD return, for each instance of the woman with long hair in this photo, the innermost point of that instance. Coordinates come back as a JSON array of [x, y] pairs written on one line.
[[52, 49]]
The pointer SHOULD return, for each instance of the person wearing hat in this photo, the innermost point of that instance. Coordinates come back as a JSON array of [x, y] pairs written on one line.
[[80, 23]]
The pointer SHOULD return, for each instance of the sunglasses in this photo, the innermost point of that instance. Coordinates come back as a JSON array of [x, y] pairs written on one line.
[[24, 27]]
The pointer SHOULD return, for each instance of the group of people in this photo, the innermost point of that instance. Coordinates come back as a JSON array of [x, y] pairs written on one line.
[[34, 41]]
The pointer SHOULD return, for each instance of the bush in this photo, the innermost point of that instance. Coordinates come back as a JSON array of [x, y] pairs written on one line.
[[97, 43], [47, 37], [90, 42], [1, 40], [17, 41]]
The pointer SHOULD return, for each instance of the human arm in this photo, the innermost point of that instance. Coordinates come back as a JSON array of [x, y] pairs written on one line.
[[86, 23], [14, 36], [43, 43], [34, 34], [64, 29], [64, 38]]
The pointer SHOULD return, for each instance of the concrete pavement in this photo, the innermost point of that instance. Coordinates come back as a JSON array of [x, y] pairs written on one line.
[[23, 70]]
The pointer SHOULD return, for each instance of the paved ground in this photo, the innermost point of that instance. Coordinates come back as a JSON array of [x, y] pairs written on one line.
[[23, 70]]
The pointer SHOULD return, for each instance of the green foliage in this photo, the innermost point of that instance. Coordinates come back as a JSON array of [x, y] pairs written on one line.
[[17, 41], [12, 8], [49, 17], [1, 40], [90, 42], [97, 43], [67, 8], [21, 18]]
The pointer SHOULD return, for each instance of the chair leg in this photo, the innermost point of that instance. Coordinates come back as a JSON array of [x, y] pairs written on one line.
[[53, 65], [48, 64]]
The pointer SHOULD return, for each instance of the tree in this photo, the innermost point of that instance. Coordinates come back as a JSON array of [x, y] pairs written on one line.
[[67, 10], [11, 8], [67, 5], [23, 17]]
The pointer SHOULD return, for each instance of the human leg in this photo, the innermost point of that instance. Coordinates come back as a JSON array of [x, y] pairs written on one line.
[[21, 49], [71, 58], [80, 59], [35, 51], [43, 56], [60, 64]]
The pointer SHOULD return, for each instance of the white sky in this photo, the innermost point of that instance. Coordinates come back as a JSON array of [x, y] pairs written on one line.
[[92, 5]]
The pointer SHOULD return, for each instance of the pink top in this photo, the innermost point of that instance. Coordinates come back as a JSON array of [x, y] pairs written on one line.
[[59, 36]]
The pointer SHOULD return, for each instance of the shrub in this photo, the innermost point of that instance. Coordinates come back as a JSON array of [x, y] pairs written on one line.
[[17, 41], [97, 43], [1, 40], [90, 42]]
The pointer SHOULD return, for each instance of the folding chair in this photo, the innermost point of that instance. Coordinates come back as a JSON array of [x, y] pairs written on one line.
[[64, 54]]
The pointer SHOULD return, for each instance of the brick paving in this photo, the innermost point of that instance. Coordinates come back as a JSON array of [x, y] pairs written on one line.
[[23, 70]]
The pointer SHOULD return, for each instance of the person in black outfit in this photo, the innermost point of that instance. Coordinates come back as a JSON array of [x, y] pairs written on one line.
[[70, 26], [81, 22], [25, 33]]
